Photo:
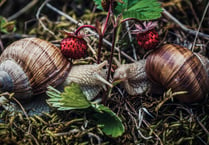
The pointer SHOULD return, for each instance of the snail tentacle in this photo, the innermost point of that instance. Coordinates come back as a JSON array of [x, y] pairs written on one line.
[[91, 78], [168, 67]]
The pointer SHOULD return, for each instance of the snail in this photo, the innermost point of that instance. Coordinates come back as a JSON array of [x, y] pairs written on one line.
[[170, 66], [28, 66]]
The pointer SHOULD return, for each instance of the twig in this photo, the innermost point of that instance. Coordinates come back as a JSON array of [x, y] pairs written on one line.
[[95, 136], [37, 16], [2, 2], [1, 43], [190, 31], [203, 127], [89, 30], [203, 16], [29, 121], [23, 10], [130, 37], [155, 134], [15, 35], [22, 108], [140, 119]]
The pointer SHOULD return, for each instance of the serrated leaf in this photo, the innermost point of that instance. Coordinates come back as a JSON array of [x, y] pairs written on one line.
[[139, 9], [141, 15], [71, 98], [125, 5], [144, 10], [111, 124]]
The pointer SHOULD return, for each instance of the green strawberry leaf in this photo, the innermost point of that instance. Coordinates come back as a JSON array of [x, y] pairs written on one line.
[[121, 7], [139, 9], [98, 4], [110, 123], [71, 98], [144, 10]]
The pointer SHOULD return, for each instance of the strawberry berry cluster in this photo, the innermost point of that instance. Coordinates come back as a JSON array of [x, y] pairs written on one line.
[[146, 35], [148, 40], [75, 47]]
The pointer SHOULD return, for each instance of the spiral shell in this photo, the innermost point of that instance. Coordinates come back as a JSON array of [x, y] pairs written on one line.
[[169, 67], [178, 68], [30, 65]]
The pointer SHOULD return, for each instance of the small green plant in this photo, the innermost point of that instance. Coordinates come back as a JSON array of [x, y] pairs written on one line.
[[73, 98]]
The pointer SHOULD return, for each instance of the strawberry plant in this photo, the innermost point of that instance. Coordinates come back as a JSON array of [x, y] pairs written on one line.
[[73, 98], [126, 10], [118, 12]]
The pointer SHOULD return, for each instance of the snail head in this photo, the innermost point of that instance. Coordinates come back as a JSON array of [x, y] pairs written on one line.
[[122, 72], [90, 75]]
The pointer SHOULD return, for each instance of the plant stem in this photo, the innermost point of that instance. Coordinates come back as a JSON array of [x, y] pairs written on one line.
[[89, 30], [85, 26], [99, 48], [128, 19], [101, 36], [115, 26], [106, 22], [100, 39], [112, 51]]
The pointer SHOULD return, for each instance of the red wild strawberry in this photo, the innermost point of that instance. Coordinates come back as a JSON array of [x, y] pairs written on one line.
[[74, 47], [147, 37]]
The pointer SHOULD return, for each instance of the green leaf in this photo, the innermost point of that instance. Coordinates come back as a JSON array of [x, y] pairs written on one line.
[[124, 6], [139, 9], [111, 124], [71, 98], [144, 10], [98, 4]]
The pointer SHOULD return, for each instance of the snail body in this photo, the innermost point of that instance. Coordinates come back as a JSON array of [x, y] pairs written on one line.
[[175, 67], [28, 66]]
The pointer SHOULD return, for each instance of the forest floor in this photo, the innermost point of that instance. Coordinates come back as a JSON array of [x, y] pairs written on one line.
[[148, 119]]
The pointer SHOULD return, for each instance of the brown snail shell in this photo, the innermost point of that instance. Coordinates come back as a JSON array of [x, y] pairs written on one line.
[[174, 66], [28, 66], [171, 66], [31, 65]]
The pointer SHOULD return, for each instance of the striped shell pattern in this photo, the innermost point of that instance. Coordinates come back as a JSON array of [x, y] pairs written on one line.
[[176, 67], [29, 65]]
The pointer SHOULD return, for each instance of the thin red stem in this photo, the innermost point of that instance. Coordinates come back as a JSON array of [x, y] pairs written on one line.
[[106, 21], [100, 39], [113, 42], [112, 51], [101, 36], [135, 19], [85, 26]]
